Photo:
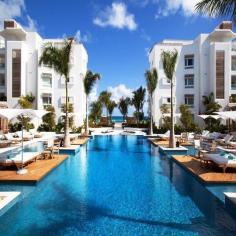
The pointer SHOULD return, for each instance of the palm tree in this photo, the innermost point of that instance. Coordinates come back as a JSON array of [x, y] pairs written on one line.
[[169, 59], [123, 106], [210, 108], [104, 98], [210, 105], [89, 82], [95, 111], [138, 101], [151, 80], [111, 106], [59, 60], [217, 8]]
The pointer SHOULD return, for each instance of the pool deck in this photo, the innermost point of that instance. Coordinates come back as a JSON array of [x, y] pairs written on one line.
[[36, 170], [80, 141], [204, 173], [157, 142]]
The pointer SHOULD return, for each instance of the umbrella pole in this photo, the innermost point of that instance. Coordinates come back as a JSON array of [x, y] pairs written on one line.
[[22, 171]]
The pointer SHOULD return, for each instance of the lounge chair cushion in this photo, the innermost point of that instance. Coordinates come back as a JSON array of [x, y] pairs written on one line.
[[17, 159]]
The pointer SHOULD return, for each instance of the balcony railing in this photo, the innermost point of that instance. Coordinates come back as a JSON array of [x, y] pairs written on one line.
[[233, 48]]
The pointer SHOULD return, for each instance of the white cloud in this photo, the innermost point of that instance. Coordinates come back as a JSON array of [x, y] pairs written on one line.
[[116, 16], [83, 38], [12, 9], [120, 91], [32, 24], [167, 7]]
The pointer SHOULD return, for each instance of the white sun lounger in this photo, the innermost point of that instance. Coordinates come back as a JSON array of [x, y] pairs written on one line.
[[221, 161], [225, 140], [17, 159], [166, 135]]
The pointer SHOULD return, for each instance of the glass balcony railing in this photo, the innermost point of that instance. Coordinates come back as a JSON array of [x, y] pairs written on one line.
[[233, 48]]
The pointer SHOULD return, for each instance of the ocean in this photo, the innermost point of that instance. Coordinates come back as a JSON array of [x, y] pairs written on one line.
[[118, 119]]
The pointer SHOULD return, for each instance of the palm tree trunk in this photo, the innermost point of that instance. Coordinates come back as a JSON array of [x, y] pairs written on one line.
[[87, 123], [107, 118], [66, 134], [151, 128], [172, 130]]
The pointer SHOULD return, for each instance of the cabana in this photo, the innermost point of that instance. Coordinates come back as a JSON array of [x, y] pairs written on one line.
[[13, 113]]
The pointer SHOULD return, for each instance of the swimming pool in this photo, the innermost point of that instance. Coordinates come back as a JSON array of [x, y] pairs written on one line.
[[117, 185]]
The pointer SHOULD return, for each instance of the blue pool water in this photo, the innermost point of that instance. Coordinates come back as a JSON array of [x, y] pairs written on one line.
[[34, 147], [117, 185]]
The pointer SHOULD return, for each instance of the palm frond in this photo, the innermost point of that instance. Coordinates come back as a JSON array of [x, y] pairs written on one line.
[[90, 80], [151, 80], [217, 8], [169, 59]]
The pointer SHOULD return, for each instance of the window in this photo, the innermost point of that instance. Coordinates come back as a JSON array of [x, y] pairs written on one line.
[[233, 82], [233, 63], [189, 99], [47, 80], [2, 61], [189, 81], [167, 100], [47, 100], [16, 73], [3, 97], [2, 79], [189, 61]]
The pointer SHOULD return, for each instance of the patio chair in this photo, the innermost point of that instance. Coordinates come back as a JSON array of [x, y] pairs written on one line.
[[5, 143], [26, 135], [183, 137], [35, 133], [52, 148], [225, 141], [10, 137], [164, 136], [223, 160], [202, 150]]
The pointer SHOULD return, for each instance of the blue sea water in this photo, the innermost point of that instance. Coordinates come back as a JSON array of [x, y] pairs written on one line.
[[117, 185], [118, 119]]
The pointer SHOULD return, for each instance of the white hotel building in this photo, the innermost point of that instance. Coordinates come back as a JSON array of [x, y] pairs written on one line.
[[20, 73], [206, 64]]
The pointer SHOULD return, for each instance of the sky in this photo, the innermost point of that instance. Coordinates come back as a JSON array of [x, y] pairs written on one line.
[[116, 34]]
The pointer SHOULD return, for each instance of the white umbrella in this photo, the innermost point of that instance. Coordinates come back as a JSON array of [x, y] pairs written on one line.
[[216, 117], [227, 114], [168, 114], [13, 113], [10, 113]]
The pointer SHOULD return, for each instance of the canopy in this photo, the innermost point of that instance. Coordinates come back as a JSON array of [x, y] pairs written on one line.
[[227, 114], [216, 117], [10, 113], [168, 114], [13, 113]]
